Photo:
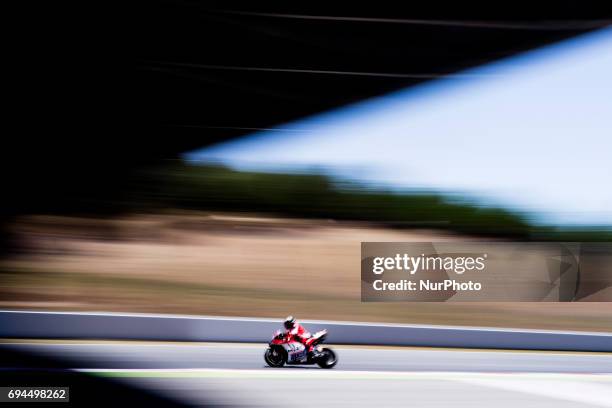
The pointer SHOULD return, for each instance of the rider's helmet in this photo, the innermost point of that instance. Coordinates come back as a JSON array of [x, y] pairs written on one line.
[[289, 322]]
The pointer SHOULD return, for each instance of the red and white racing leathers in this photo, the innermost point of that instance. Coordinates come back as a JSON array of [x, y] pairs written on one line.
[[299, 333]]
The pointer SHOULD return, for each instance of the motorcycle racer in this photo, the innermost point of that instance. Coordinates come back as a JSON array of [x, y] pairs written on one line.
[[298, 332], [295, 346]]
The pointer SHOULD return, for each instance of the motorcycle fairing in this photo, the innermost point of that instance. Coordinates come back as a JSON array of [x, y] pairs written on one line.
[[296, 352]]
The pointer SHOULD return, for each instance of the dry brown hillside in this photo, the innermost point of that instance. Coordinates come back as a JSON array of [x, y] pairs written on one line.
[[235, 265]]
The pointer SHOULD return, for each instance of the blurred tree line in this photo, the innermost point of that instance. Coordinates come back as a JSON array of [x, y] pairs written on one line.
[[217, 188]]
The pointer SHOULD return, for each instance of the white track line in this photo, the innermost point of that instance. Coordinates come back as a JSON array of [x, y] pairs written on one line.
[[318, 373]]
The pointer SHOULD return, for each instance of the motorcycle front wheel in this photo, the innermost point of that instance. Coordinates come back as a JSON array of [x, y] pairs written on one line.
[[328, 358], [275, 357]]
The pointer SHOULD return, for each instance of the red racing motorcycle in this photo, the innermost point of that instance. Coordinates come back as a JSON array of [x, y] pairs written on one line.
[[284, 349]]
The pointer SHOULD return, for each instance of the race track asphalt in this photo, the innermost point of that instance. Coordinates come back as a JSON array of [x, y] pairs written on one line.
[[204, 374], [142, 355]]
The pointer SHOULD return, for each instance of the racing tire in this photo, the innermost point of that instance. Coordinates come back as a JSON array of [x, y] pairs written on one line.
[[328, 359], [275, 357]]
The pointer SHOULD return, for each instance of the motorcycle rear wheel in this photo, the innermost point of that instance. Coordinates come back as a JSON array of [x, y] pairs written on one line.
[[275, 357], [328, 359]]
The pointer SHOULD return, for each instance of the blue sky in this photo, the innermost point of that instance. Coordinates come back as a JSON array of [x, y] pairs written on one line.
[[532, 133]]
